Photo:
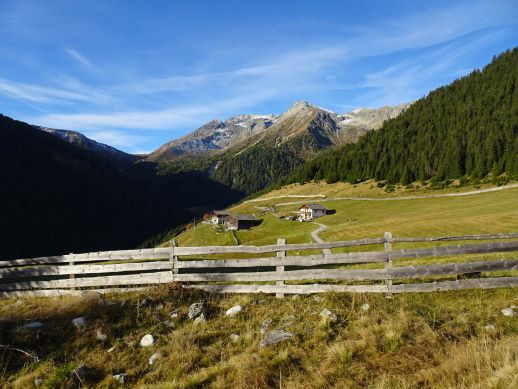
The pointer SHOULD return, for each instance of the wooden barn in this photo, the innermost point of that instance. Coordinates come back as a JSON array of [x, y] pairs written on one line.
[[311, 212], [218, 217], [240, 222]]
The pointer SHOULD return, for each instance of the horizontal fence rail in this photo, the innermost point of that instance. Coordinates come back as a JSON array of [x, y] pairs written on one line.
[[378, 271]]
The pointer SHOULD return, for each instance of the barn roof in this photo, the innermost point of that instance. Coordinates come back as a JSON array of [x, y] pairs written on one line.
[[221, 213], [246, 217], [314, 207]]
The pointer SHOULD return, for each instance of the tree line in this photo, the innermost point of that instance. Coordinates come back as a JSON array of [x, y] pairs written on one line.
[[466, 129]]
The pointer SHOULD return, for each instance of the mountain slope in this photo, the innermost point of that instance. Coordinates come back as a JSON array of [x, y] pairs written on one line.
[[78, 139], [214, 136], [468, 128], [56, 197], [239, 132], [297, 135]]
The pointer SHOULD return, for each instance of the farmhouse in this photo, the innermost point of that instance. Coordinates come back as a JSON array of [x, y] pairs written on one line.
[[239, 222], [217, 217], [311, 211]]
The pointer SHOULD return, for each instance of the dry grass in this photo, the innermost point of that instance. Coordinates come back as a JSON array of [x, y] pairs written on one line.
[[364, 189], [426, 341]]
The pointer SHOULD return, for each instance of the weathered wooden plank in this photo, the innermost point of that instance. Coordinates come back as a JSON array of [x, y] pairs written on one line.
[[481, 283], [290, 289], [164, 252], [294, 260], [481, 248], [157, 253], [9, 273], [472, 283], [73, 292], [133, 279], [294, 275], [161, 277], [271, 248], [512, 235], [452, 268]]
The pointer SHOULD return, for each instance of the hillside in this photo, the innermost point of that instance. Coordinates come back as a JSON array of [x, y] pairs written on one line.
[[297, 135], [466, 129], [100, 149], [455, 339], [58, 197], [214, 136]]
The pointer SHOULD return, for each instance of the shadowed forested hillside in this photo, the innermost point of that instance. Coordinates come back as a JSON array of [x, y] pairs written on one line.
[[468, 128], [57, 198]]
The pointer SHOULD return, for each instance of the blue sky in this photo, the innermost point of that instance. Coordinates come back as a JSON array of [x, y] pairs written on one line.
[[135, 74]]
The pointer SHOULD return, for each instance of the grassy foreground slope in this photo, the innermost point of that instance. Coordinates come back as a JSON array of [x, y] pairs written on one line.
[[435, 340], [455, 339]]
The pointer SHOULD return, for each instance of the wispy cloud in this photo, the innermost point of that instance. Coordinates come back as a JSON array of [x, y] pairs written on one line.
[[165, 119], [82, 60], [39, 94], [395, 60], [403, 80]]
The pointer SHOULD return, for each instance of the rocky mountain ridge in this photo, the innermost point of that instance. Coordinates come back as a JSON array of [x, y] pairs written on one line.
[[326, 127], [80, 140]]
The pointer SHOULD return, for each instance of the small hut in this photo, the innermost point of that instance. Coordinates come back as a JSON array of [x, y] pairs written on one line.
[[217, 217], [239, 222]]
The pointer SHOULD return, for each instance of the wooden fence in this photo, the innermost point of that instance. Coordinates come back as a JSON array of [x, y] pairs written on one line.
[[281, 273]]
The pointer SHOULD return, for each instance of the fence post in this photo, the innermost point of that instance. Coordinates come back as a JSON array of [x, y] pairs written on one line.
[[72, 276], [280, 269], [173, 258], [388, 262]]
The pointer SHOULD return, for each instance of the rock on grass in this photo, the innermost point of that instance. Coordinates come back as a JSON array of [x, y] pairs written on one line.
[[234, 310], [508, 312], [147, 340], [274, 337]]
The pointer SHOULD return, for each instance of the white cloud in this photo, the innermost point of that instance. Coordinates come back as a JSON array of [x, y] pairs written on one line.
[[169, 118], [81, 59], [431, 41], [38, 94]]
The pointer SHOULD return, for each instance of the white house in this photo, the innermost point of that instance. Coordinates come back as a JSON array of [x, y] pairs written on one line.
[[311, 211]]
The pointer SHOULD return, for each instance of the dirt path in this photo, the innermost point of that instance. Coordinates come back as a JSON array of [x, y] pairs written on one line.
[[498, 188], [318, 239], [314, 233], [280, 197]]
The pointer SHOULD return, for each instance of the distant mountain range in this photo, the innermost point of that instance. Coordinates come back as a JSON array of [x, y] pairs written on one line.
[[248, 152], [328, 129]]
